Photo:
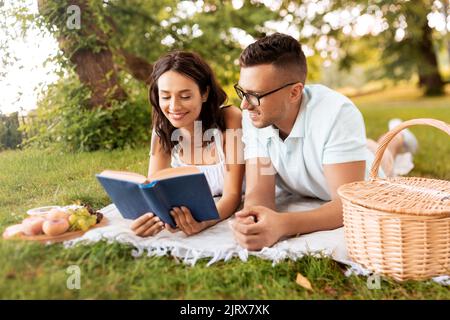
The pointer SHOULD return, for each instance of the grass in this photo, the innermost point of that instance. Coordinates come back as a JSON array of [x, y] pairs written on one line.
[[33, 178]]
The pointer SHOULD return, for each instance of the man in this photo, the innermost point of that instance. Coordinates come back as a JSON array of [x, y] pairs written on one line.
[[311, 136]]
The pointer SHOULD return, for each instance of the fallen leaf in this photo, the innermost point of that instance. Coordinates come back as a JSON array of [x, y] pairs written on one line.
[[303, 281]]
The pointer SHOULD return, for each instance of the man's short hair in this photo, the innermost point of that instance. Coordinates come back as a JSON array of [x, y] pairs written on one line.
[[280, 50]]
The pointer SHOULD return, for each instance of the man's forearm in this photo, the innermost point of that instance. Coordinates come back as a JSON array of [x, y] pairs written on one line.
[[327, 217]]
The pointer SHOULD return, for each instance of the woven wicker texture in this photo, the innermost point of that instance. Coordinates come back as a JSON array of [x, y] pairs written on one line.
[[416, 196], [399, 226]]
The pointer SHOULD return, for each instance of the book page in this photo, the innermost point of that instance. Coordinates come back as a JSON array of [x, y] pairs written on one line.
[[173, 172], [125, 175]]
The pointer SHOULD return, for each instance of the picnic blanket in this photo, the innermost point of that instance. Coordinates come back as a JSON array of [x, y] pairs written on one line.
[[217, 242]]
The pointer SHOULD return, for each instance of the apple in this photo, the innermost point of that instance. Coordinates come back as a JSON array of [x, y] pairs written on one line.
[[55, 227], [56, 214], [32, 226]]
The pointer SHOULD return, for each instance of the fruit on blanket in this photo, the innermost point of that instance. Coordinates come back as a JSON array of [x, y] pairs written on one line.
[[13, 231], [98, 214], [55, 222], [55, 227], [55, 214], [32, 226], [82, 219]]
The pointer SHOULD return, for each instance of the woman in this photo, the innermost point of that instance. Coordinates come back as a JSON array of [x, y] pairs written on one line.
[[190, 121]]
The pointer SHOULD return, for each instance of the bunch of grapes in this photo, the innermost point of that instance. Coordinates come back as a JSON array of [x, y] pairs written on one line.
[[82, 219]]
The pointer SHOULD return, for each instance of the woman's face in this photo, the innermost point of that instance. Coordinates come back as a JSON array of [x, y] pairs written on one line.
[[180, 99]]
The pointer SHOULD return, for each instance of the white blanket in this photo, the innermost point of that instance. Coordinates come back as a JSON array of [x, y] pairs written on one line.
[[217, 243]]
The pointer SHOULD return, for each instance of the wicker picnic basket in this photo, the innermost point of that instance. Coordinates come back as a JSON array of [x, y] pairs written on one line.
[[399, 226]]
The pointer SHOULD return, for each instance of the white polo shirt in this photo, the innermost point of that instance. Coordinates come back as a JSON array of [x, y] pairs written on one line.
[[329, 129]]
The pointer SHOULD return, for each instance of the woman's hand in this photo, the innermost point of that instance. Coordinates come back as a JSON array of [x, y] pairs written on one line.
[[147, 225], [185, 222]]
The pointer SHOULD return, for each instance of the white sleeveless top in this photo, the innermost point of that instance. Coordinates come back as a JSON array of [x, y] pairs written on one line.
[[214, 173]]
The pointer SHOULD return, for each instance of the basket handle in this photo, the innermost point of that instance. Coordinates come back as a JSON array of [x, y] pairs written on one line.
[[391, 134]]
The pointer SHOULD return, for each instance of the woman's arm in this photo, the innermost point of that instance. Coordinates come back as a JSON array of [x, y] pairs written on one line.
[[235, 165]]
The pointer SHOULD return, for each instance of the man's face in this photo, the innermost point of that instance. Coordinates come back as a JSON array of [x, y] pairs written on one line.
[[259, 80]]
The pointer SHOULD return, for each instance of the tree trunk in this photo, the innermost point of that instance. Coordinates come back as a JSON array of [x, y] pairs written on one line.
[[95, 68], [429, 77], [138, 67]]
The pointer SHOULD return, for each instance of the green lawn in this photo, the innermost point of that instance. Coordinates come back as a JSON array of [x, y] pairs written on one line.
[[32, 271]]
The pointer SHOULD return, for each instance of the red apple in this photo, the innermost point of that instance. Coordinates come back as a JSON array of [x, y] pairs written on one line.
[[32, 226], [56, 214], [55, 227]]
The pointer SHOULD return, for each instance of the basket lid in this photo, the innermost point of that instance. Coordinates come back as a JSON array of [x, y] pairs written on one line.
[[407, 195]]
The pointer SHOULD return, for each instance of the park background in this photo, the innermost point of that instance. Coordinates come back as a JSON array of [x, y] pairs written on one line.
[[73, 79]]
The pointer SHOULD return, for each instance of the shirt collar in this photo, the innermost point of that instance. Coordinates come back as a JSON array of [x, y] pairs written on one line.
[[268, 132]]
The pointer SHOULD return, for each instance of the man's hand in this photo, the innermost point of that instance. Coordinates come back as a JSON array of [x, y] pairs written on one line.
[[257, 227], [185, 222]]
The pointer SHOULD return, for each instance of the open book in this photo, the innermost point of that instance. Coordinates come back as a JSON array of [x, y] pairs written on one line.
[[134, 194]]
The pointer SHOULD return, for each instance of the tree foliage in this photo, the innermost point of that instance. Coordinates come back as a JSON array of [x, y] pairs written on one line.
[[112, 52], [10, 136], [105, 63], [406, 43]]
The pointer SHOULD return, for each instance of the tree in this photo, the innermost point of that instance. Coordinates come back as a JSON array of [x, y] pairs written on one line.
[[128, 35], [405, 39], [10, 136], [85, 44], [107, 51], [416, 51]]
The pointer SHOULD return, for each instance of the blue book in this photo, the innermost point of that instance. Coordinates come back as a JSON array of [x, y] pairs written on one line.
[[134, 195]]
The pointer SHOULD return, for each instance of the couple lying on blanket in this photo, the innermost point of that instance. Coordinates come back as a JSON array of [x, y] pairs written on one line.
[[306, 139]]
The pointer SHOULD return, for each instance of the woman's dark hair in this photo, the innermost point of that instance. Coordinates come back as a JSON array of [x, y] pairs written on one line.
[[280, 50], [193, 66]]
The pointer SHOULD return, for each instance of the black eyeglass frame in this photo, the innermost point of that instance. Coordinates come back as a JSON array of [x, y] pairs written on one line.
[[242, 94]]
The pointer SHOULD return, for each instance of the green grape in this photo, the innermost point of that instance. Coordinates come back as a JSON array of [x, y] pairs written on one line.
[[92, 220], [83, 223], [72, 219], [82, 219]]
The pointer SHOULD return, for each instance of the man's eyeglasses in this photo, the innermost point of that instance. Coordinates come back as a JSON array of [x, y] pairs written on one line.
[[254, 98]]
